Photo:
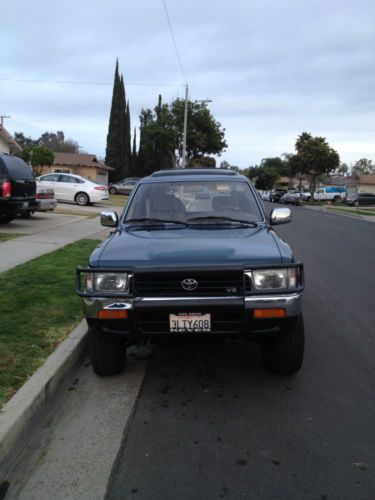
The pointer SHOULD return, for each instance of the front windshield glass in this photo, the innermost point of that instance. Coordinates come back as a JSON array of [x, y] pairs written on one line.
[[194, 201]]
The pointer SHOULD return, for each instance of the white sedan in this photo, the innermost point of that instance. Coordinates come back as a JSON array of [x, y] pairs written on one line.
[[71, 187]]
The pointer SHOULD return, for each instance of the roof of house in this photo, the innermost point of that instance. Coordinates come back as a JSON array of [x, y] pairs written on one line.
[[79, 160], [367, 179], [13, 145]]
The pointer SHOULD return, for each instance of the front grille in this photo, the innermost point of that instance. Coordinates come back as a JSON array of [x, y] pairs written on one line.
[[169, 284], [227, 321]]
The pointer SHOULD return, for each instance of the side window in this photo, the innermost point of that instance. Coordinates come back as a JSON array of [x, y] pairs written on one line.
[[68, 179], [50, 178], [2, 174]]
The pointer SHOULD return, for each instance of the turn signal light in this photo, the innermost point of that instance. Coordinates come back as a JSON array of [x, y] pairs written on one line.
[[112, 314], [268, 313]]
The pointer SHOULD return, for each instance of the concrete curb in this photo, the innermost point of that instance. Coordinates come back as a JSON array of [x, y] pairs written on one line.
[[23, 414]]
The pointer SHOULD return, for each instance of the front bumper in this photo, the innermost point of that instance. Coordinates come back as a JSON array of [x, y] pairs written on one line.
[[231, 316]]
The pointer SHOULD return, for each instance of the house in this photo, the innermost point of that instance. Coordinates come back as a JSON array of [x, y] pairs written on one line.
[[84, 164], [361, 183], [7, 143]]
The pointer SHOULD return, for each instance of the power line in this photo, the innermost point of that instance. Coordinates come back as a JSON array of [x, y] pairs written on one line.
[[174, 41], [77, 82]]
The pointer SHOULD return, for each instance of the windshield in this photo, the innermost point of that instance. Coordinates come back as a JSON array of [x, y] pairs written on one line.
[[195, 201]]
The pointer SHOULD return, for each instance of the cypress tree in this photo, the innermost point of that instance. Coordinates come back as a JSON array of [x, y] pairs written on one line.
[[117, 152], [128, 149]]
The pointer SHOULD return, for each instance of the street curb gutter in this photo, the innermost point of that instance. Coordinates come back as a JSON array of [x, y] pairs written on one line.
[[23, 414]]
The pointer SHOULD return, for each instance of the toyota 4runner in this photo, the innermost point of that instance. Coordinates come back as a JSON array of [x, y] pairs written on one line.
[[193, 254]]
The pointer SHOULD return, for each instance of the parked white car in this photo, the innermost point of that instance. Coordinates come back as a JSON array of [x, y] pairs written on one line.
[[69, 187]]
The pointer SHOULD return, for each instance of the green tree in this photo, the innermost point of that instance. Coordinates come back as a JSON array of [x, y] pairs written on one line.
[[23, 141], [314, 157], [158, 140], [267, 178], [116, 151], [205, 135], [57, 142], [363, 167], [40, 157]]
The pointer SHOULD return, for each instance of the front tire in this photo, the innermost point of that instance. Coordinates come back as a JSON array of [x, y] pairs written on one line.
[[82, 199], [108, 354], [356, 203], [284, 353], [113, 190]]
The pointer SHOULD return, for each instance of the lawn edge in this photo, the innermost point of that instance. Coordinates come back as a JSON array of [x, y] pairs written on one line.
[[22, 415]]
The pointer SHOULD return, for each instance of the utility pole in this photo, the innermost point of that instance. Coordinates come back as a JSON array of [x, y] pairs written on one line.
[[183, 160]]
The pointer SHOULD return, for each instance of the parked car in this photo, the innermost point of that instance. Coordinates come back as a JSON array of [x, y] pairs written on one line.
[[266, 196], [69, 187], [17, 188], [175, 267], [303, 194], [46, 199], [276, 194], [123, 187], [290, 198], [330, 193], [357, 199]]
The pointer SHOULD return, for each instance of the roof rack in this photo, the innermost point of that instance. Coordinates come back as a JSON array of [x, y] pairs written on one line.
[[193, 171]]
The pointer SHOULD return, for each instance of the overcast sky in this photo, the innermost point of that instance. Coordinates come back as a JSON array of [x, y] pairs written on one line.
[[272, 68]]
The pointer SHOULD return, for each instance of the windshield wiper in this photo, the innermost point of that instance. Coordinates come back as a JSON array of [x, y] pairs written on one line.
[[152, 220], [220, 217]]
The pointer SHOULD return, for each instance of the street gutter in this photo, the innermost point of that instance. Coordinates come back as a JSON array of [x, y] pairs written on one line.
[[23, 414]]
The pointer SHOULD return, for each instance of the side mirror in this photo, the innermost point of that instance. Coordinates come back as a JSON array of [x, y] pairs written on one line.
[[109, 219], [280, 216]]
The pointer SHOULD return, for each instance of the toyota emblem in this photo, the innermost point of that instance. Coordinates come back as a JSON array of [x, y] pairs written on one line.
[[189, 284]]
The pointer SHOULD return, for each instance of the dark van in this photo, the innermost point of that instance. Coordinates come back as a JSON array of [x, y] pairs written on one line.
[[17, 188]]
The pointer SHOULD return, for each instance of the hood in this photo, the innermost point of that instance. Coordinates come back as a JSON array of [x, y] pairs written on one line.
[[150, 247]]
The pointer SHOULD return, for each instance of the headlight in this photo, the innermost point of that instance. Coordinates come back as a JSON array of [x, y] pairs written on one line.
[[275, 279], [106, 282]]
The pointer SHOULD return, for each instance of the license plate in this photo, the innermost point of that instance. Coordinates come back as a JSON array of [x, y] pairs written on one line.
[[190, 322], [25, 204]]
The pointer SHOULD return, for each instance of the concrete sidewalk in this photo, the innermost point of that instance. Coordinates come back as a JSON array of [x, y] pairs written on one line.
[[28, 247]]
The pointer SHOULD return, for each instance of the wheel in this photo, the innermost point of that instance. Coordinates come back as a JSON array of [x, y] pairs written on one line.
[[356, 203], [108, 354], [4, 219], [337, 198], [308, 199], [113, 190], [283, 354], [27, 215], [82, 199]]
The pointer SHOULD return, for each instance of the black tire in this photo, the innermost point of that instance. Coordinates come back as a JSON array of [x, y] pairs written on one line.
[[4, 219], [82, 199], [27, 215], [108, 354], [356, 203], [337, 198], [113, 190], [283, 354]]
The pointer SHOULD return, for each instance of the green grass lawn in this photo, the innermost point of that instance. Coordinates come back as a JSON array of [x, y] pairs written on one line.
[[39, 308], [354, 211], [6, 236], [83, 213], [117, 200]]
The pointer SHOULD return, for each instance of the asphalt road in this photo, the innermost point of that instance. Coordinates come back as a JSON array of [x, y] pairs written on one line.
[[211, 423]]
